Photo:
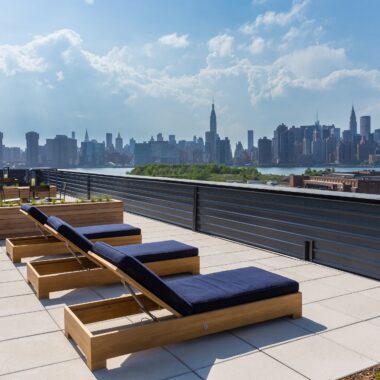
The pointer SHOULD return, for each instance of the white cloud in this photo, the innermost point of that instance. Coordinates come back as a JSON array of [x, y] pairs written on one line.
[[28, 57], [60, 76], [174, 40], [314, 68], [222, 45], [259, 2], [257, 45], [271, 18], [89, 2]]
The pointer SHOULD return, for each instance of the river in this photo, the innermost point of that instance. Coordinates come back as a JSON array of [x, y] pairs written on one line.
[[265, 170]]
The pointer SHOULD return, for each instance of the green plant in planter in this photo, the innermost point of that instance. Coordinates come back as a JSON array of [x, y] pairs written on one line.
[[62, 201], [33, 202], [53, 201], [93, 199], [107, 198]]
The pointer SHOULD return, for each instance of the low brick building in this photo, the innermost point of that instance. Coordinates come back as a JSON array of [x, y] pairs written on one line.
[[366, 181]]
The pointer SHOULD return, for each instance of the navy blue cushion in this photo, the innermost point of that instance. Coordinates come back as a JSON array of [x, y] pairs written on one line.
[[69, 233], [231, 288], [35, 213], [108, 231], [158, 251], [143, 275]]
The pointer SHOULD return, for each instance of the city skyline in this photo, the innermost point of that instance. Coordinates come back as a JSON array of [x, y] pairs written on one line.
[[147, 68], [310, 144], [243, 139]]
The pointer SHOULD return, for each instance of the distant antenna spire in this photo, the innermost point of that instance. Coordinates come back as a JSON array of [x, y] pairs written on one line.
[[86, 138]]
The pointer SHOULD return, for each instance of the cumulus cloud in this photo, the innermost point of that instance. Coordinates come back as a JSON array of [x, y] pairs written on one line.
[[222, 45], [271, 18], [257, 45], [313, 68], [89, 2], [29, 57], [174, 41], [60, 76], [259, 2]]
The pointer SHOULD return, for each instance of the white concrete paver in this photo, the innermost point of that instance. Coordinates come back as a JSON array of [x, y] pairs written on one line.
[[319, 358], [251, 367], [336, 336]]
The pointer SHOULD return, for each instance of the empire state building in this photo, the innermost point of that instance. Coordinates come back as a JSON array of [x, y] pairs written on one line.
[[211, 138]]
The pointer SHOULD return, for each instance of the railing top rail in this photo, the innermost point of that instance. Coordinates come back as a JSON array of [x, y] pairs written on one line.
[[342, 196]]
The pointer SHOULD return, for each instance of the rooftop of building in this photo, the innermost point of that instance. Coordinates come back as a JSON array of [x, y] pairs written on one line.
[[337, 335]]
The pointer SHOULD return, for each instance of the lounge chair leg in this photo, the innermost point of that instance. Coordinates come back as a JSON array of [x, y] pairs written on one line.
[[42, 294], [98, 364], [197, 269], [297, 315]]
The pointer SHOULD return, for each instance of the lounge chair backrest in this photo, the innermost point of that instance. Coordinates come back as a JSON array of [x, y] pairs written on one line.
[[35, 213], [69, 233], [143, 276]]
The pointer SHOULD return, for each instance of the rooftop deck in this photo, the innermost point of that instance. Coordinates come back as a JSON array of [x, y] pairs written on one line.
[[338, 334]]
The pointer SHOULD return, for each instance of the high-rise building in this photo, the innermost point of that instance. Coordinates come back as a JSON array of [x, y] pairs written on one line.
[[109, 141], [265, 151], [172, 140], [32, 148], [250, 140], [280, 144], [92, 153], [353, 123], [223, 151], [73, 135], [365, 126], [119, 143], [211, 137], [86, 138], [1, 148], [160, 137], [61, 152], [376, 136]]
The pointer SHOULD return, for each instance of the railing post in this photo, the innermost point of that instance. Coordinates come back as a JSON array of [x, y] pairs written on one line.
[[88, 187], [195, 208], [309, 250]]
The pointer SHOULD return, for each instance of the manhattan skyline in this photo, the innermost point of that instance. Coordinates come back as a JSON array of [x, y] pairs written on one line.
[[145, 68]]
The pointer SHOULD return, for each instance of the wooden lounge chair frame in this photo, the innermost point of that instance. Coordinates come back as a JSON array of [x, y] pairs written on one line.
[[98, 347], [48, 245], [47, 276]]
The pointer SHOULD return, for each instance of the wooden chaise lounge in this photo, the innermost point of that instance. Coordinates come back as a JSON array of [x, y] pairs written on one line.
[[163, 257], [197, 305], [47, 245]]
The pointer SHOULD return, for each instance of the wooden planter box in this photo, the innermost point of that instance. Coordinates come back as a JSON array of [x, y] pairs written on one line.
[[15, 224]]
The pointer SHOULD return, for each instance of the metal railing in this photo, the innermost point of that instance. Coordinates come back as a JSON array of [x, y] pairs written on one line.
[[341, 230]]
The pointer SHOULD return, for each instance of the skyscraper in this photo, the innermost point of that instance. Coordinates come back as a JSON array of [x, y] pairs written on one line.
[[119, 143], [86, 138], [365, 126], [211, 137], [213, 121], [265, 151], [250, 140], [353, 123], [32, 148], [1, 148], [109, 143]]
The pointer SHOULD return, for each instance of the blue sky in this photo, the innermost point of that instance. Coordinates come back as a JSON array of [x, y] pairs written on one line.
[[147, 66]]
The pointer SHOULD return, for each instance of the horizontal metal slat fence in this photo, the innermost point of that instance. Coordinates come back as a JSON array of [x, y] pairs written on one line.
[[342, 232]]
